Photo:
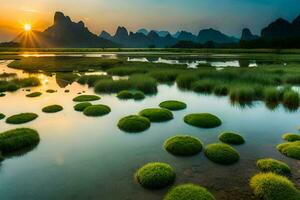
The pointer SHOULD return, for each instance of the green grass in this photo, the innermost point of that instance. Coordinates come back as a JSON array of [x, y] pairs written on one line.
[[21, 118], [52, 109], [134, 124], [157, 114], [271, 95], [221, 90], [2, 94], [183, 145], [96, 110], [7, 86], [270, 186], [124, 71], [143, 83], [155, 175], [165, 76], [111, 86], [274, 166], [221, 153], [51, 91], [18, 139], [2, 116], [15, 84], [185, 81], [290, 149], [173, 105], [34, 94], [202, 120], [204, 86], [91, 80], [81, 106], [125, 94], [291, 137], [291, 100], [242, 94], [83, 98], [231, 138], [67, 77], [189, 192], [138, 95]]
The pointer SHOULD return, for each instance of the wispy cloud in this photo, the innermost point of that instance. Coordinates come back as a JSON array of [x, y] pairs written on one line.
[[30, 10]]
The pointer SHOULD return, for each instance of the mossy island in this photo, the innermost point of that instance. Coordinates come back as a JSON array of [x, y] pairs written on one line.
[[51, 91], [270, 186], [290, 149], [183, 145], [81, 106], [139, 95], [21, 118], [231, 138], [84, 98], [173, 105], [157, 114], [125, 94], [96, 110], [18, 140], [52, 109], [189, 192], [134, 124], [274, 166], [222, 153], [202, 120], [2, 116], [34, 94], [291, 137], [155, 175]]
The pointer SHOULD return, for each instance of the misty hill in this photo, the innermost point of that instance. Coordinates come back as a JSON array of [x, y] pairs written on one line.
[[64, 33], [248, 36]]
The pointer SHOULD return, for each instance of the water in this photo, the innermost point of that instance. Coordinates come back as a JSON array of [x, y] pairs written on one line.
[[90, 158]]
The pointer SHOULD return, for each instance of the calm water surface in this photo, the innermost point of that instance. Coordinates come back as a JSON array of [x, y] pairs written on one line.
[[81, 157]]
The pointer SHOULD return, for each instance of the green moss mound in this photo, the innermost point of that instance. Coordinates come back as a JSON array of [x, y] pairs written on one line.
[[81, 106], [2, 116], [173, 105], [52, 109], [2, 94], [272, 165], [155, 175], [83, 98], [138, 95], [189, 192], [157, 114], [125, 94], [231, 138], [290, 149], [183, 145], [96, 110], [203, 120], [290, 137], [270, 186], [21, 118], [34, 94], [134, 124], [51, 91], [18, 139], [222, 154]]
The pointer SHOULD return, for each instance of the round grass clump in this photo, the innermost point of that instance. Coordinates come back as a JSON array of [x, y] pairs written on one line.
[[34, 94], [290, 149], [51, 91], [189, 192], [155, 175], [96, 110], [157, 114], [125, 94], [173, 105], [2, 94], [21, 118], [134, 124], [270, 186], [18, 139], [222, 153], [83, 98], [290, 137], [231, 138], [138, 95], [2, 116], [203, 120], [272, 165], [81, 106], [52, 109], [183, 145]]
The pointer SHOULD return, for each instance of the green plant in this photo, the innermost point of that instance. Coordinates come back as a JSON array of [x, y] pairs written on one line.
[[134, 123], [221, 153], [83, 98], [51, 91], [183, 145], [155, 175], [157, 114], [125, 94], [272, 165], [96, 110], [290, 137], [52, 109], [138, 95], [81, 106], [21, 118], [91, 80], [231, 138], [202, 120], [34, 94], [2, 116], [204, 86], [173, 105], [290, 149]]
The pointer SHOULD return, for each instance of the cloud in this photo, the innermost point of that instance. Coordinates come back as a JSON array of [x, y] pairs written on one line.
[[30, 10]]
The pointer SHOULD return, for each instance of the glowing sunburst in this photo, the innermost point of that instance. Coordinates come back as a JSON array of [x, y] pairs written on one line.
[[27, 27]]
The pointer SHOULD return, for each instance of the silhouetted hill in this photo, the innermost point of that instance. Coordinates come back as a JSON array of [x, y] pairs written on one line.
[[187, 36], [64, 33], [278, 29], [247, 35], [215, 36]]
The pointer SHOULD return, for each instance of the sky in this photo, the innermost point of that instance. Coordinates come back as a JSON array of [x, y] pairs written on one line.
[[229, 16]]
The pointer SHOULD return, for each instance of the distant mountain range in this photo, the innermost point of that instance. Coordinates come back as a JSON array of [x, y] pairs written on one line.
[[66, 33]]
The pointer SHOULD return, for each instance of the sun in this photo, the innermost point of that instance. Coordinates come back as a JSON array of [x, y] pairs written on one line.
[[27, 27]]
